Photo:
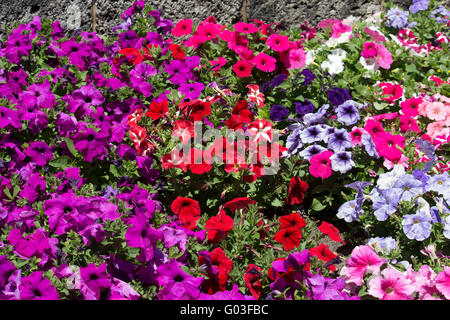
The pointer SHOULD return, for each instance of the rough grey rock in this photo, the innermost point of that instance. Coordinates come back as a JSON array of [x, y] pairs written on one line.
[[75, 14]]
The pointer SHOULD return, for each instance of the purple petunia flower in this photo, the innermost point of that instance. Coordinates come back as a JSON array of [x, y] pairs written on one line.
[[342, 161], [233, 294], [313, 134], [140, 77], [177, 285], [141, 235], [385, 202], [174, 237], [339, 140], [385, 245], [9, 117], [417, 226], [397, 18], [91, 144], [439, 183], [369, 145], [38, 96], [349, 211], [323, 288], [310, 151], [66, 124], [94, 281], [191, 90], [294, 143], [82, 99], [17, 46], [33, 187], [178, 70], [347, 113], [278, 113], [39, 152], [37, 287], [6, 269]]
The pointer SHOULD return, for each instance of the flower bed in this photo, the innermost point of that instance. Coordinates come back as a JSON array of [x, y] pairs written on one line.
[[246, 161]]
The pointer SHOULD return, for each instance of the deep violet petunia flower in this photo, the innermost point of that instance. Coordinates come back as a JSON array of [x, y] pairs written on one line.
[[278, 113], [338, 96], [177, 285], [39, 152], [304, 107]]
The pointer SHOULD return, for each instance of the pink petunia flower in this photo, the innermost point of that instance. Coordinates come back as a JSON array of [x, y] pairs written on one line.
[[409, 106], [363, 260], [443, 282], [321, 165], [356, 135], [436, 111], [278, 42], [391, 285], [408, 123], [297, 58], [264, 62]]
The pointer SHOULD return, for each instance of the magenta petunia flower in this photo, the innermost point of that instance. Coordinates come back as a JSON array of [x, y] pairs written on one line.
[[36, 287], [17, 46], [278, 42], [321, 165], [391, 285]]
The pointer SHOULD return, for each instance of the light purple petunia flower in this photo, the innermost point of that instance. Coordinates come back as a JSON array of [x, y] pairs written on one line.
[[409, 185], [347, 113], [313, 134], [417, 226], [397, 18]]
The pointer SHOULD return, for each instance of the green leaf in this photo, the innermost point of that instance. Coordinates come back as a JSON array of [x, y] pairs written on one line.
[[317, 205], [114, 171], [62, 162], [70, 146], [277, 203]]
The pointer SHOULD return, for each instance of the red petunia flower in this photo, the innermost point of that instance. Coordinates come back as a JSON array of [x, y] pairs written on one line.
[[133, 55], [289, 237], [331, 231], [177, 52], [322, 252], [157, 110], [297, 190], [252, 279], [217, 266], [243, 69], [238, 204], [196, 110], [188, 211], [293, 220], [196, 161], [219, 226]]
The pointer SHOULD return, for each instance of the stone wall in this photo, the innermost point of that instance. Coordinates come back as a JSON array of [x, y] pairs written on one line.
[[75, 14]]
